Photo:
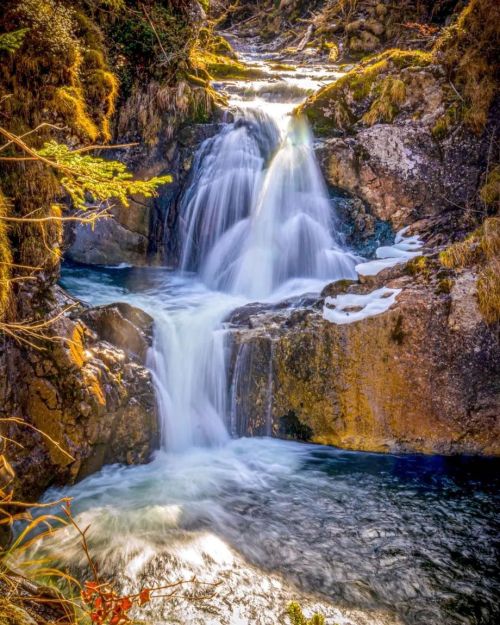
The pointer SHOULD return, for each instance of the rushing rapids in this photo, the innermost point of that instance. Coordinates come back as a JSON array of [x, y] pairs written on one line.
[[366, 539]]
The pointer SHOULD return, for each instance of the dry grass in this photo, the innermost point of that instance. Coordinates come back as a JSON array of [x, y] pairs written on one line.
[[462, 254], [5, 259], [469, 51], [386, 106], [481, 250], [481, 246], [488, 292], [490, 191]]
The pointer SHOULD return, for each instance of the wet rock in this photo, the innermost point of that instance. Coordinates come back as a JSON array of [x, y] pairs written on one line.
[[87, 389], [422, 377], [123, 325], [335, 288]]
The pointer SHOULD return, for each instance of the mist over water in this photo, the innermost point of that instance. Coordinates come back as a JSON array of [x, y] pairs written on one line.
[[367, 539]]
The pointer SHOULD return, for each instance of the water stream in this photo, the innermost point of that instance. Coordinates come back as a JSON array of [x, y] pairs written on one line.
[[365, 538]]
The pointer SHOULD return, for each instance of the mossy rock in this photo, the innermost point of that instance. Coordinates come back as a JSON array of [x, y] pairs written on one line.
[[372, 90]]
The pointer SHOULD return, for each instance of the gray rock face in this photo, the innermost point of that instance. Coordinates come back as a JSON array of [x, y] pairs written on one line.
[[107, 243], [401, 172]]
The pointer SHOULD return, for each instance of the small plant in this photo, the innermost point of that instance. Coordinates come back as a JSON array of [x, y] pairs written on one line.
[[297, 617], [444, 286], [10, 42]]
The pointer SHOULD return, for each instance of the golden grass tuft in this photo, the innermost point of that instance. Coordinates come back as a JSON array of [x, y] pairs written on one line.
[[386, 106], [102, 86], [461, 254], [479, 247], [468, 50], [490, 240], [488, 292], [70, 101]]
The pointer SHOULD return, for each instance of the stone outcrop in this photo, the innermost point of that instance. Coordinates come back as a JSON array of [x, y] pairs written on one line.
[[422, 377], [402, 173], [409, 132], [86, 388]]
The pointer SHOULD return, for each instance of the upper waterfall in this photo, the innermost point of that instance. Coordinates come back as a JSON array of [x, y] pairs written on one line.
[[258, 213]]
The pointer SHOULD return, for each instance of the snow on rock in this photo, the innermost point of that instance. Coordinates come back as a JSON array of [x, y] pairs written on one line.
[[351, 307], [403, 249]]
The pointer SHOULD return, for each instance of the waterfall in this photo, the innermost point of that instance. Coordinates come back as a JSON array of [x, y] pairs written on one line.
[[227, 173], [248, 230], [255, 219]]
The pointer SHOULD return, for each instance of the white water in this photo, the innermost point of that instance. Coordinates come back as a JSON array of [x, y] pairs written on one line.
[[258, 213], [256, 224]]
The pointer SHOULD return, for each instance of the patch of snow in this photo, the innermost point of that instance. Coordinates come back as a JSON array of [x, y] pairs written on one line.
[[368, 305], [404, 249]]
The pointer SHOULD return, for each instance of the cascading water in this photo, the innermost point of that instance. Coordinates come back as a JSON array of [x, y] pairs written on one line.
[[366, 539], [255, 219], [264, 226]]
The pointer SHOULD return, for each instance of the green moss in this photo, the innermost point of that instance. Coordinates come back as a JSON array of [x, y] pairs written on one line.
[[330, 109], [282, 67], [5, 258], [218, 66]]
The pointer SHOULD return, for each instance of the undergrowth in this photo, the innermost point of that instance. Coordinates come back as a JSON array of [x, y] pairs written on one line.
[[296, 616]]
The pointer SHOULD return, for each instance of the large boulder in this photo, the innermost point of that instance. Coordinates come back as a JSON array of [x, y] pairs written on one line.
[[421, 377], [85, 387]]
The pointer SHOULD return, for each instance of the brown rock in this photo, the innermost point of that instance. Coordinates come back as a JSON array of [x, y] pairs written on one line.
[[125, 326], [87, 390], [403, 380]]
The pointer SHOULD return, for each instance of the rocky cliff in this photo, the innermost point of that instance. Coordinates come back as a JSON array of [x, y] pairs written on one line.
[[85, 388]]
